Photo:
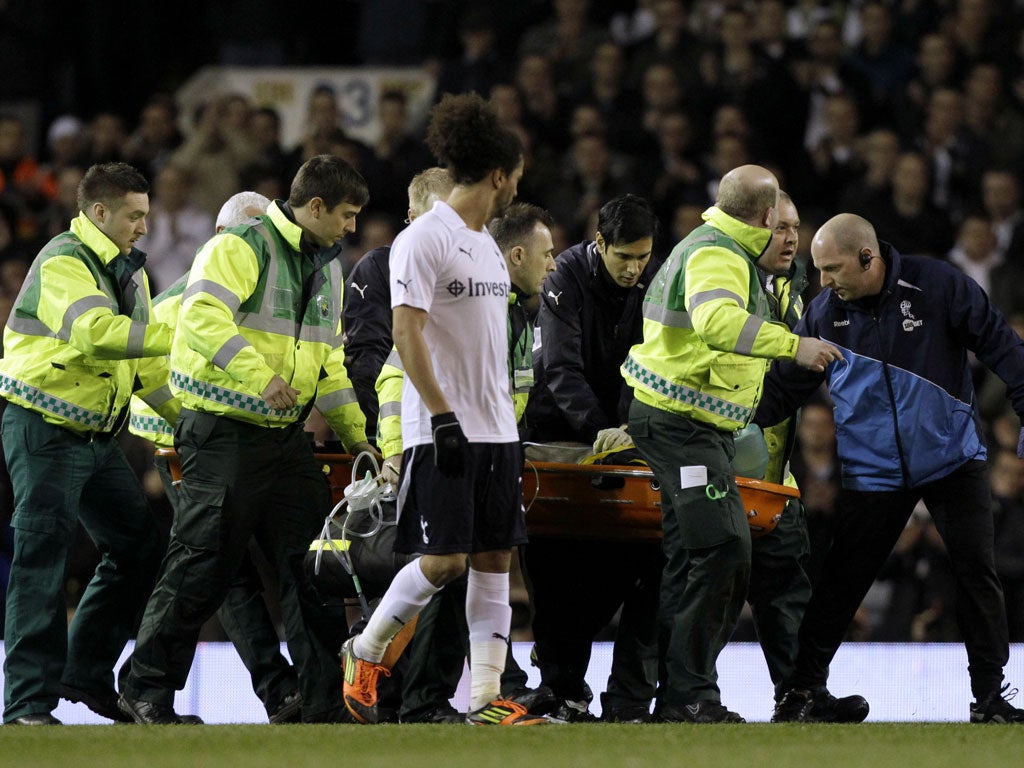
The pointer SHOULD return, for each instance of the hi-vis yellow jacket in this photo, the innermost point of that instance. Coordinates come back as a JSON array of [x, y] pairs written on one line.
[[68, 353], [392, 374], [389, 395], [708, 335], [255, 305], [145, 422], [788, 308]]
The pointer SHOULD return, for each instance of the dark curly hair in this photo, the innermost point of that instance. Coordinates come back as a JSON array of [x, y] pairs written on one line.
[[465, 137]]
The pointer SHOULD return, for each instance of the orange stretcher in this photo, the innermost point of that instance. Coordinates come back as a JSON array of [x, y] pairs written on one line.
[[623, 502], [586, 500]]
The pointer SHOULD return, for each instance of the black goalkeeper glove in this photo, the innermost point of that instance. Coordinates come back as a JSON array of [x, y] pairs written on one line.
[[450, 444]]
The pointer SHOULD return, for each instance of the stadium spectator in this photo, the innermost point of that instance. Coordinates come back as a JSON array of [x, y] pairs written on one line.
[[177, 226], [1000, 196], [107, 139], [156, 137], [568, 41], [907, 217], [975, 251], [1007, 480], [955, 155], [217, 151]]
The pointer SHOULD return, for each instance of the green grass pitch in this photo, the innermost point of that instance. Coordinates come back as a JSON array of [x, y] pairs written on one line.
[[554, 746]]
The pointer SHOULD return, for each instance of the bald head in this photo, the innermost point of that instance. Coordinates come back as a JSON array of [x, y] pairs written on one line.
[[846, 253], [849, 233], [749, 193]]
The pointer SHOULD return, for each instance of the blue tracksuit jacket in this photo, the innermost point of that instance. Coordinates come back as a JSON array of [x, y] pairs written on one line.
[[904, 400]]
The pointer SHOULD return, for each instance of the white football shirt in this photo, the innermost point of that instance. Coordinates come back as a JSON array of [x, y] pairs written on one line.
[[458, 276]]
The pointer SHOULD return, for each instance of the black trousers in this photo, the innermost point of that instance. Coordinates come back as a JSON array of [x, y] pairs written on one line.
[[61, 479], [578, 586], [239, 481], [866, 529], [706, 540], [247, 621]]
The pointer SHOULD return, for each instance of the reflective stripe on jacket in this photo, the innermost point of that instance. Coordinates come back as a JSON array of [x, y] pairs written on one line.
[[144, 421], [520, 353], [708, 335], [255, 305], [69, 354], [389, 395]]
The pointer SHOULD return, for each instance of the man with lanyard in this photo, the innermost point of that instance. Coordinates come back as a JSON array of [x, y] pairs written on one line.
[[76, 346], [258, 343]]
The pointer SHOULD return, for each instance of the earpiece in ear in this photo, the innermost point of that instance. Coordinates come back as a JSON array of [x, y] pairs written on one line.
[[865, 260]]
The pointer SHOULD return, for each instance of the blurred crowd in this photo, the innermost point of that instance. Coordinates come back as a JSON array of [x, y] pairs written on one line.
[[910, 113]]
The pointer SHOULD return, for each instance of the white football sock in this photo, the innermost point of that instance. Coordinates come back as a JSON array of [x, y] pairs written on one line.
[[408, 593], [489, 617]]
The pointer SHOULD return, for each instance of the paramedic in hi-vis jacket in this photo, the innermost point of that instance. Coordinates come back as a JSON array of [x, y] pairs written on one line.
[[258, 342], [77, 344], [697, 377]]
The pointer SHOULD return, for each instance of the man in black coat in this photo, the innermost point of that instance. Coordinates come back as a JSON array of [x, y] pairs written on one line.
[[367, 309], [589, 317]]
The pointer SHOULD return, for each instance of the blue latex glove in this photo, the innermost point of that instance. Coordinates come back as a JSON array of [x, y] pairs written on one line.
[[1020, 444]]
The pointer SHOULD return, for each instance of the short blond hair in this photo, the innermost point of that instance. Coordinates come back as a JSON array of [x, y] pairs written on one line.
[[428, 187]]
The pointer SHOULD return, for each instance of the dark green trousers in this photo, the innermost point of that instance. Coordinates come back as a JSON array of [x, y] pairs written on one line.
[[59, 480], [247, 622], [239, 481], [706, 541], [780, 590]]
